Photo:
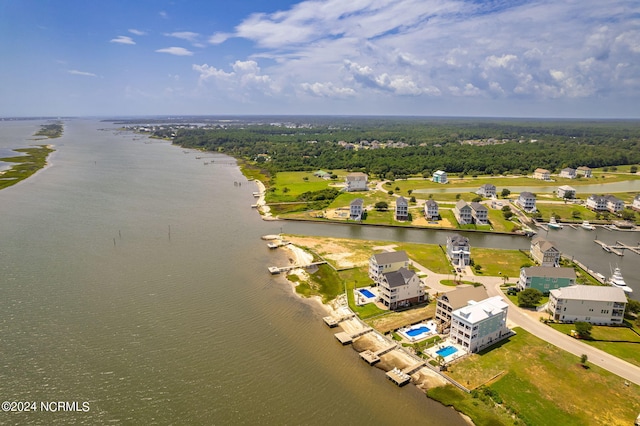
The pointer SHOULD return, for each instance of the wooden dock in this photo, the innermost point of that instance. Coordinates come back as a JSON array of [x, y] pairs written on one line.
[[278, 269], [398, 376], [346, 338], [277, 244], [372, 357], [608, 248], [623, 246], [333, 321]]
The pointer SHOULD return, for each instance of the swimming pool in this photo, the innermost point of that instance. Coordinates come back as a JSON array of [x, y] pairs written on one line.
[[418, 331], [366, 293], [445, 352]]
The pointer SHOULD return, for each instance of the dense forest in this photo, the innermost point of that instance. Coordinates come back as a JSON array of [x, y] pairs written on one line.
[[428, 144]]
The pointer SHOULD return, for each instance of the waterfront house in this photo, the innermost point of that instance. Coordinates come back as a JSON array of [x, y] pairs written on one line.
[[542, 174], [527, 201], [566, 191], [544, 252], [603, 305], [583, 171], [356, 209], [401, 288], [600, 203], [356, 181], [480, 324], [636, 203], [402, 208], [546, 278], [456, 299], [479, 213], [462, 212], [487, 190], [431, 211], [459, 250], [440, 176], [568, 173], [389, 261]]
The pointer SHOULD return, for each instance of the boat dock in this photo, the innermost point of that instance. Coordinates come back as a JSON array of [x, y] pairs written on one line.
[[277, 244], [608, 248], [372, 357], [346, 338], [623, 246], [333, 322], [278, 269]]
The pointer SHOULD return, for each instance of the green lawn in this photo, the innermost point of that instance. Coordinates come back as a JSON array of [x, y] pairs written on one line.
[[621, 342], [544, 385], [431, 256], [565, 211], [500, 262]]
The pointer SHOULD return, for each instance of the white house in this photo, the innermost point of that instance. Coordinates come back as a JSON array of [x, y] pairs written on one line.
[[431, 210], [459, 250], [542, 174], [480, 324], [568, 173], [583, 171], [356, 181], [400, 288], [527, 201], [440, 176], [402, 208], [462, 212], [456, 299], [479, 213], [636, 203], [487, 190], [356, 209], [566, 191], [390, 261], [544, 252], [602, 203], [595, 304]]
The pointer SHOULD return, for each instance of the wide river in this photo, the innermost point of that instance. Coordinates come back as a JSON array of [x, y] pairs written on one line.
[[133, 277]]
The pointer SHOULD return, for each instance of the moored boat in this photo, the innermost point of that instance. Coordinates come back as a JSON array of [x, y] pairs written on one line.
[[617, 280], [553, 224], [586, 225]]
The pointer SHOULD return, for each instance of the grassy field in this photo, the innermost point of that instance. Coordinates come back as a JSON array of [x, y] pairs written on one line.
[[24, 166], [542, 384], [565, 211], [621, 342], [508, 263]]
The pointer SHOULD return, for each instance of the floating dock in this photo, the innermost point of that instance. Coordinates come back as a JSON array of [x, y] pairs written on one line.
[[373, 357], [608, 248]]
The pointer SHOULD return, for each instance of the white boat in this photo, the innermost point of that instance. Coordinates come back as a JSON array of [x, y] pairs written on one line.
[[553, 224], [586, 225], [616, 280]]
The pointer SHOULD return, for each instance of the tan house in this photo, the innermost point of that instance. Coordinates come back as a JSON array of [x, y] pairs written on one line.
[[401, 288], [456, 299], [544, 252], [583, 171], [542, 174], [390, 261], [356, 181]]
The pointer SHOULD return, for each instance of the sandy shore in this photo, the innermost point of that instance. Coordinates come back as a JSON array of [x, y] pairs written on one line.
[[264, 210]]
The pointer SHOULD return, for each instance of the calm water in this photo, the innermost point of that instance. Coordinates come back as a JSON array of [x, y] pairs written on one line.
[[133, 277]]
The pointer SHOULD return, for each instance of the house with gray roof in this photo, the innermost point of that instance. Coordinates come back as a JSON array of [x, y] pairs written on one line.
[[527, 201], [356, 181], [401, 288], [479, 213], [456, 299], [356, 208], [431, 210], [459, 250], [388, 261], [544, 252], [402, 208], [487, 190], [546, 278], [462, 212], [603, 305]]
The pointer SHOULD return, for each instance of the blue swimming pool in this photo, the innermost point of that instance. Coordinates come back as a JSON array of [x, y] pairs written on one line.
[[366, 293], [445, 352], [418, 331]]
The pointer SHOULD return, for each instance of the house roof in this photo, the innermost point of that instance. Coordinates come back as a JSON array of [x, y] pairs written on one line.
[[357, 202], [541, 171], [550, 271], [391, 257], [398, 278], [458, 240], [431, 203], [545, 245], [462, 204], [401, 201], [461, 295], [568, 169], [591, 292], [476, 312], [527, 194], [584, 168], [478, 207], [488, 186], [439, 172], [357, 176]]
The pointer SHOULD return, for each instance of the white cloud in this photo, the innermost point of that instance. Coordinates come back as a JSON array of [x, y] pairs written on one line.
[[84, 73], [184, 35], [219, 38], [122, 40], [246, 79], [137, 32], [327, 90], [177, 51]]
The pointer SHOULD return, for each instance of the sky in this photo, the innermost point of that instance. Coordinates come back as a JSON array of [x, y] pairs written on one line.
[[493, 58]]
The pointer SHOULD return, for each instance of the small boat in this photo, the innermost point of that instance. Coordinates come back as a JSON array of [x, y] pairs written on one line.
[[606, 248], [616, 280], [586, 225], [553, 224]]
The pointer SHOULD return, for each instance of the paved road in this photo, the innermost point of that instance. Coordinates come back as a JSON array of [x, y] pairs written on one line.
[[523, 319]]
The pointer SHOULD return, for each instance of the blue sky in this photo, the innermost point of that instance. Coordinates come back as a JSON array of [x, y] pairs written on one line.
[[505, 58]]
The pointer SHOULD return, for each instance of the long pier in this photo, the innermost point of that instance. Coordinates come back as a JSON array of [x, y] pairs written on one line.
[[278, 269], [608, 248], [617, 248]]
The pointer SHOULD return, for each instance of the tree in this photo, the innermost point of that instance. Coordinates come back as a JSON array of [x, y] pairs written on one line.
[[477, 267], [633, 306], [458, 196], [412, 199], [381, 205], [476, 199], [505, 193], [529, 297], [628, 214], [583, 359], [583, 329], [633, 169]]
